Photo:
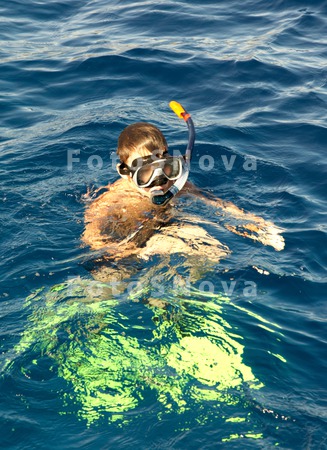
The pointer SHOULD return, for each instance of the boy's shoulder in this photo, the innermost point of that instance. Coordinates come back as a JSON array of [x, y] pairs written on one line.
[[119, 194]]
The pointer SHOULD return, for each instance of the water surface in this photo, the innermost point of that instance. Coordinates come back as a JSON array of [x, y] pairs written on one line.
[[81, 368]]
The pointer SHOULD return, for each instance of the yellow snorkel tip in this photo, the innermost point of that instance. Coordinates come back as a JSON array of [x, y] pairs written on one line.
[[178, 109]]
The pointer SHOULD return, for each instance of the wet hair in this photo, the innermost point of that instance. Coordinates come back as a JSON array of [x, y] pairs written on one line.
[[140, 137]]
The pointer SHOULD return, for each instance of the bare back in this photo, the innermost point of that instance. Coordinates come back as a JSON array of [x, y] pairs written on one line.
[[123, 220]]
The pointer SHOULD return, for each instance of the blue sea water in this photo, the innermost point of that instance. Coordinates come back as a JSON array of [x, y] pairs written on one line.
[[73, 75]]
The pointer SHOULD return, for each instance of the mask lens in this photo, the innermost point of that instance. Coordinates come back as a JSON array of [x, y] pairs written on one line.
[[172, 168], [144, 174]]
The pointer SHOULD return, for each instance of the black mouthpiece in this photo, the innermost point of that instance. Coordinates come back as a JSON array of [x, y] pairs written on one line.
[[160, 199]]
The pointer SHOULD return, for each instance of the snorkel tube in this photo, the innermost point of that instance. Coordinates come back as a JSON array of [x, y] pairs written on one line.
[[158, 197]]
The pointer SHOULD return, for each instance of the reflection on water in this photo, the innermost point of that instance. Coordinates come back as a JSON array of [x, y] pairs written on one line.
[[118, 353]]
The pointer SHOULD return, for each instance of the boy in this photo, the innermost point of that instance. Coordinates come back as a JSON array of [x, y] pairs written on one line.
[[123, 223]]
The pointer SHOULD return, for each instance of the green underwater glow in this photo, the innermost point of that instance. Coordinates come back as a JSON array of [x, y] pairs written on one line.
[[188, 357]]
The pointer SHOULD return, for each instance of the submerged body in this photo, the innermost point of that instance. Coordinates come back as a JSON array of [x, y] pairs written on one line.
[[122, 223]]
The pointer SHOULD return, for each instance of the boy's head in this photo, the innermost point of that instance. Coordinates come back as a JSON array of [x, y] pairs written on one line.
[[138, 140], [144, 159]]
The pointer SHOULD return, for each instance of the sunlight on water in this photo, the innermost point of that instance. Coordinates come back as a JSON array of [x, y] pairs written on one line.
[[188, 356]]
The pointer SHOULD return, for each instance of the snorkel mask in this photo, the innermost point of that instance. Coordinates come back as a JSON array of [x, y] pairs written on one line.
[[154, 170], [158, 197]]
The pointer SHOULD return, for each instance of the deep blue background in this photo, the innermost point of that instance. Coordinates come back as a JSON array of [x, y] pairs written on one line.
[[253, 74]]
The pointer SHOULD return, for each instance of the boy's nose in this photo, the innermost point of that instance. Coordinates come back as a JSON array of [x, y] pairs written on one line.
[[160, 181]]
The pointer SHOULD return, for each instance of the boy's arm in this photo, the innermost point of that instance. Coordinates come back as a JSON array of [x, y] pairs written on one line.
[[240, 222]]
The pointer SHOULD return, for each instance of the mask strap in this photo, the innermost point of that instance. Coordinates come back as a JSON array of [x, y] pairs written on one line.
[[123, 169]]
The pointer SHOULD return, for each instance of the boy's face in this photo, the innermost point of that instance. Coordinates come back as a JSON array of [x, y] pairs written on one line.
[[146, 191]]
